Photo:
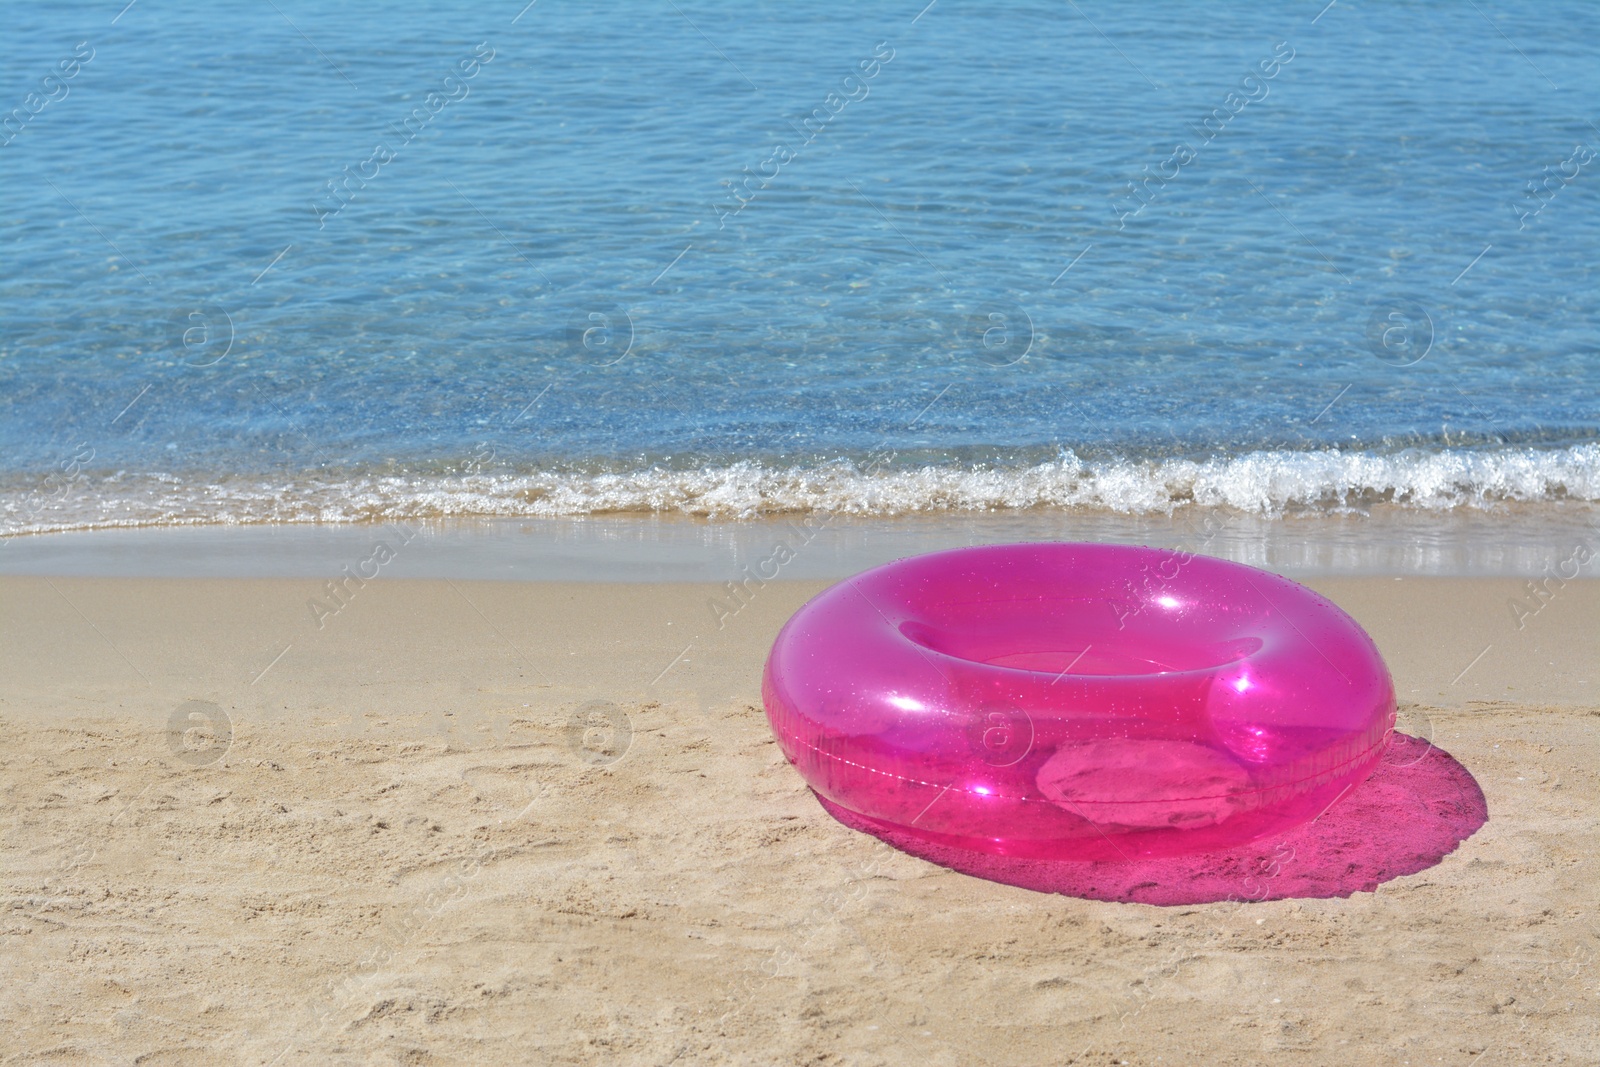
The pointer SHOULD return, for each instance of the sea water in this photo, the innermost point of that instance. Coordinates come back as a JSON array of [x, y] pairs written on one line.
[[290, 262]]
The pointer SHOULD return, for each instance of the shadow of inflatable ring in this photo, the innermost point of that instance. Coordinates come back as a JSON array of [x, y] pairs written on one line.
[[1404, 819]]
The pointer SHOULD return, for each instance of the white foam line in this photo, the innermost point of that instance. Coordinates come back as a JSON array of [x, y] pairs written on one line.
[[1265, 483]]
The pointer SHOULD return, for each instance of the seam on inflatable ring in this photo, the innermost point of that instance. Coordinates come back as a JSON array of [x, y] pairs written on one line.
[[1332, 772], [889, 774]]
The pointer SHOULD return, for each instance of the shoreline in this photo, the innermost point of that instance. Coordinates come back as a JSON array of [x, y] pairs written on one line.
[[1444, 481], [1560, 542]]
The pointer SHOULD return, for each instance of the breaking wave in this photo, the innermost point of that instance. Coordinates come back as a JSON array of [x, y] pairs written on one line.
[[1262, 482]]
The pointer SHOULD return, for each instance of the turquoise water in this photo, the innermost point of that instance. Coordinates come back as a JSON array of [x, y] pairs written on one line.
[[286, 263]]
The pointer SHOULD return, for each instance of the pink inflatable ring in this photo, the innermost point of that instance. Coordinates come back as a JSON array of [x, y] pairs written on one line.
[[1078, 701]]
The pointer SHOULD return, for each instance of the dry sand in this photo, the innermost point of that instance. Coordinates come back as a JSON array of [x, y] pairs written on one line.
[[546, 823]]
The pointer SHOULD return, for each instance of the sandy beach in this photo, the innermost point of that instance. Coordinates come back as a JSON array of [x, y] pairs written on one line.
[[416, 429], [545, 822]]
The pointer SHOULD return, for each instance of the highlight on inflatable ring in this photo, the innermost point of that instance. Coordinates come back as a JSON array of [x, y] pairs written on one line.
[[1078, 701]]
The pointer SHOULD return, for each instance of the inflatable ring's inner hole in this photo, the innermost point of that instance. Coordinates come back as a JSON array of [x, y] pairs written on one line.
[[1078, 635]]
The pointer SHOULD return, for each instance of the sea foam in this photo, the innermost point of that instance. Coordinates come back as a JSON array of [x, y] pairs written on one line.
[[1265, 483]]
